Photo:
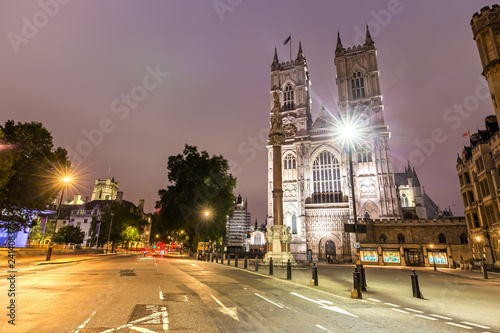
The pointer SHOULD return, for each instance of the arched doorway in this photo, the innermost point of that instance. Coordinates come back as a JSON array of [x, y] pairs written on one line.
[[327, 246]]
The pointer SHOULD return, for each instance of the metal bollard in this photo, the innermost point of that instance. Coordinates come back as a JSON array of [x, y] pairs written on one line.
[[289, 270], [315, 274], [363, 277], [245, 264], [271, 266], [257, 263], [356, 291], [228, 259], [236, 261], [222, 259], [212, 257], [414, 285], [217, 258]]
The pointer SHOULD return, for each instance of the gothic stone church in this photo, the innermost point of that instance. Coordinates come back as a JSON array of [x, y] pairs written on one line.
[[316, 188]]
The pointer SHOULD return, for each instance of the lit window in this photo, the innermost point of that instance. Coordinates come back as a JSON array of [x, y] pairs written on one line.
[[357, 86], [326, 179], [289, 168]]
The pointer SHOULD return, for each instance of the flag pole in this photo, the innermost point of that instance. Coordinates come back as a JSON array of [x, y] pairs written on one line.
[[290, 47]]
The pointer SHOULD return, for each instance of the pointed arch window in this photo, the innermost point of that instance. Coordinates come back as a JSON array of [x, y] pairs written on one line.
[[404, 201], [401, 238], [364, 154], [294, 224], [257, 240], [442, 239], [463, 239], [357, 85], [288, 99], [326, 179], [383, 238], [289, 168]]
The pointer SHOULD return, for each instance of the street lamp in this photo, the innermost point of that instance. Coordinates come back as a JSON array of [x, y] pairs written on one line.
[[480, 248], [433, 257], [109, 232], [49, 251]]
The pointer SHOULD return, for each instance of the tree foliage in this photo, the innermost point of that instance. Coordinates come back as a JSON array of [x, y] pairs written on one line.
[[127, 225], [29, 172], [198, 184], [69, 234]]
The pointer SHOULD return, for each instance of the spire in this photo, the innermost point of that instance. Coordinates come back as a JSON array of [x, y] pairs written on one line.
[[300, 56], [416, 182], [368, 41], [340, 49], [275, 65]]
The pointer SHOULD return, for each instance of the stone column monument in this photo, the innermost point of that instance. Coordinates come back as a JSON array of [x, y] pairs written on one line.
[[278, 236]]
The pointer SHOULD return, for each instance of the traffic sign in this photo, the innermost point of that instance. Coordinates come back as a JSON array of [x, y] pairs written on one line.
[[356, 245]]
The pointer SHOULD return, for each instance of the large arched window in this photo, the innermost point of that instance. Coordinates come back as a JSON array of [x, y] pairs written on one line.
[[288, 99], [294, 224], [364, 154], [326, 179], [357, 85], [463, 239], [404, 201], [257, 239], [442, 238], [289, 168]]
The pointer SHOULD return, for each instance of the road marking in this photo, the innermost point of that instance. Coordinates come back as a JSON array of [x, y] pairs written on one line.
[[194, 265], [425, 317], [417, 311], [373, 299], [231, 312], [362, 300], [322, 328], [398, 310], [141, 329], [458, 325], [331, 308], [442, 317], [326, 302], [477, 325], [392, 304], [270, 301], [85, 323]]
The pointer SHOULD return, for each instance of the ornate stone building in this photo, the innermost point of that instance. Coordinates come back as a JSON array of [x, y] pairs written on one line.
[[317, 199]]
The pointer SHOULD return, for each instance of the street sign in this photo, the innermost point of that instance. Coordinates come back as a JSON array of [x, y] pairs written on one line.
[[356, 245]]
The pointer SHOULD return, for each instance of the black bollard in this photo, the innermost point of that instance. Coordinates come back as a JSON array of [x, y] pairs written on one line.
[[217, 258], [245, 264], [257, 263], [271, 266], [356, 276], [414, 285], [228, 259], [483, 268], [289, 270], [315, 274], [212, 257], [222, 259], [236, 261], [363, 277]]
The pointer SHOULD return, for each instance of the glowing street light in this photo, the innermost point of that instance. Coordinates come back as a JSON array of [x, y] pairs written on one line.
[[66, 181]]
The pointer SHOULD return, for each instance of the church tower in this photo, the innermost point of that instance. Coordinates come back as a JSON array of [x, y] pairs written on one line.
[[486, 30], [360, 97], [105, 189]]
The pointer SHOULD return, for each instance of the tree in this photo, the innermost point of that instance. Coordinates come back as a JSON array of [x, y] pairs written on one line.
[[30, 172], [69, 234], [127, 226], [199, 184]]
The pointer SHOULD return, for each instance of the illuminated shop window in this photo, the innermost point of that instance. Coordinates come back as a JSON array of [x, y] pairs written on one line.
[[391, 256], [369, 256], [440, 257]]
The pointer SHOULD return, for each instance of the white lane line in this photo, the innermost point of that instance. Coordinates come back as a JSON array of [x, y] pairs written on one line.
[[141, 329], [395, 305], [85, 323], [322, 328], [442, 317], [231, 311], [458, 325], [417, 311], [477, 325], [362, 300], [323, 306], [194, 265], [326, 302], [270, 301], [374, 300], [400, 311], [425, 317]]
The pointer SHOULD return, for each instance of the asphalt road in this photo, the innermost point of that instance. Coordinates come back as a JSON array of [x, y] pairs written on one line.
[[130, 293]]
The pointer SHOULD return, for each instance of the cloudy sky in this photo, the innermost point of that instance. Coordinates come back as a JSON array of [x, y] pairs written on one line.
[[198, 72]]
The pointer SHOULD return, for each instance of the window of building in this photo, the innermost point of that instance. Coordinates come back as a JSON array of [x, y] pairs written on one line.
[[442, 239], [288, 98], [463, 239], [85, 220], [64, 222], [391, 256], [326, 179], [368, 255], [480, 164], [475, 220], [404, 201], [383, 238], [490, 214], [488, 43], [294, 224], [470, 196], [466, 178], [357, 85], [464, 197], [289, 168], [78, 224], [257, 239], [401, 238], [485, 189], [461, 180], [364, 154]]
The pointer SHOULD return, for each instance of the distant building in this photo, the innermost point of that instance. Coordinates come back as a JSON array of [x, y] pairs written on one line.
[[238, 224], [105, 189], [257, 240]]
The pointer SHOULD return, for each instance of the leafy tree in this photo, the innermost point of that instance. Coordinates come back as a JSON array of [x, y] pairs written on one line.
[[29, 172], [198, 184], [127, 225], [69, 234]]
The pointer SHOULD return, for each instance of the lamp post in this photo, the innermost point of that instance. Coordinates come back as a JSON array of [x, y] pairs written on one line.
[[109, 232], [480, 248], [49, 251], [433, 257]]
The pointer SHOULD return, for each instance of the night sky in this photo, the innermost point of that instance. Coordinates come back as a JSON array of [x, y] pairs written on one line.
[[211, 82]]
